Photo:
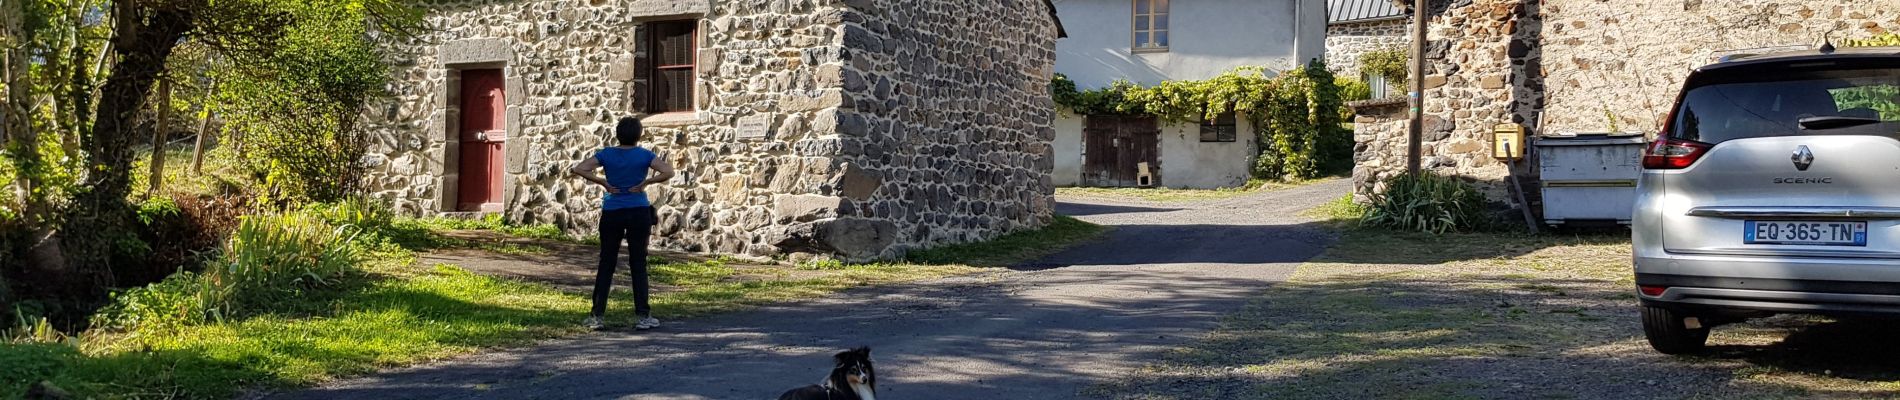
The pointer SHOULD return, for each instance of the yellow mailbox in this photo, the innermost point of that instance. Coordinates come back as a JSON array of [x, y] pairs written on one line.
[[1507, 141]]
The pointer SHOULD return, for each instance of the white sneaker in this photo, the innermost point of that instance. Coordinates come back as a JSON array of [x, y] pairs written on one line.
[[593, 323], [647, 323]]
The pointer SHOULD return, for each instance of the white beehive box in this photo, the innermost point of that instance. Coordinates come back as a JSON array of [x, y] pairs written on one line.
[[1589, 178]]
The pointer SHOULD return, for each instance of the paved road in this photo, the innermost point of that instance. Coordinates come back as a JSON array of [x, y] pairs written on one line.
[[1163, 277]]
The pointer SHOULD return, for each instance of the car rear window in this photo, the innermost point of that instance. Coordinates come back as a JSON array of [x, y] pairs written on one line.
[[1776, 104]]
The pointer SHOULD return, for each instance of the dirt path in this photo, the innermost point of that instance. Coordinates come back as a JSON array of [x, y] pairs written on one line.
[[570, 266], [1165, 275]]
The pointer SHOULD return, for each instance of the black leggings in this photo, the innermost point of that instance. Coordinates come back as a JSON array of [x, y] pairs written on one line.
[[634, 225]]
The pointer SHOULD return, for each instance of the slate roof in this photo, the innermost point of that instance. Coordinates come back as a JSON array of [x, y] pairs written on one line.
[[1341, 11]]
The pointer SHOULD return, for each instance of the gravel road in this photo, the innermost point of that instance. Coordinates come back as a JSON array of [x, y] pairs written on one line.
[[1164, 276]]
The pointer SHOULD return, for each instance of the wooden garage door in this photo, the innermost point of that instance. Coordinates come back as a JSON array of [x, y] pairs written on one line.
[[1114, 148]]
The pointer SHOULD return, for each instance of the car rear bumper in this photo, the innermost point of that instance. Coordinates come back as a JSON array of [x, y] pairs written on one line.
[[1726, 296]]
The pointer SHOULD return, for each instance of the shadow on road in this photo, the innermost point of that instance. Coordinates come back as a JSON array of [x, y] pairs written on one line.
[[1075, 209], [1043, 338], [1195, 244]]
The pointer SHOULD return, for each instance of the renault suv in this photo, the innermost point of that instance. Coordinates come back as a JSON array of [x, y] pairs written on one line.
[[1774, 187]]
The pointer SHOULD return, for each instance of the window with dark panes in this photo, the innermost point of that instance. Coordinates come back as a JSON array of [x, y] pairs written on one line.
[[1221, 129], [666, 70]]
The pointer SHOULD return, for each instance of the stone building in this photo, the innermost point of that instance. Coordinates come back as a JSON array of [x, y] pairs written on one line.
[[1356, 27], [1576, 66], [850, 128]]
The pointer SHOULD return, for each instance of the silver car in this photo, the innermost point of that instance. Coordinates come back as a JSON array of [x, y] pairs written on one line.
[[1773, 188]]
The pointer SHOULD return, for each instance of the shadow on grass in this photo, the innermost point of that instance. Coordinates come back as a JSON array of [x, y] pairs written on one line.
[[380, 324], [1853, 349], [1483, 338], [1426, 249], [1386, 315]]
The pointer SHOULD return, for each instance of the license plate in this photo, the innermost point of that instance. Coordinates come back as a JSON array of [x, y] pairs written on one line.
[[1814, 233]]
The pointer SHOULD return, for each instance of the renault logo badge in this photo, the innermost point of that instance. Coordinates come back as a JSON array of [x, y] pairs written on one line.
[[1803, 158]]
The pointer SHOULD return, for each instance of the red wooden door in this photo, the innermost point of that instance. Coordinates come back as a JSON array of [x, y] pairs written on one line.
[[1114, 148], [483, 134]]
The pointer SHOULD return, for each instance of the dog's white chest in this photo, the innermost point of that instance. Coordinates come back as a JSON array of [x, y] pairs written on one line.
[[864, 391]]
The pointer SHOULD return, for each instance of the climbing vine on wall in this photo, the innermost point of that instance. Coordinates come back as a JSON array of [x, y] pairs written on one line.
[[1388, 62], [1295, 114], [1887, 39], [1884, 99]]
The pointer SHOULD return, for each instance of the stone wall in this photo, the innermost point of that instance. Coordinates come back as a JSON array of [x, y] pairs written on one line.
[[1345, 42], [1578, 66], [823, 76], [949, 135], [1629, 57], [1470, 86]]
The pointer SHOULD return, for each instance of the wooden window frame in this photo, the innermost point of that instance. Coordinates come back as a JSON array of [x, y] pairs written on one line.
[[1229, 135], [1136, 17], [655, 102], [1377, 84]]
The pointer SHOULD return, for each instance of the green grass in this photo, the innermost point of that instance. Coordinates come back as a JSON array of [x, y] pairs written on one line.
[[1342, 211], [1013, 248], [1168, 195], [493, 222], [396, 312], [400, 316], [219, 174]]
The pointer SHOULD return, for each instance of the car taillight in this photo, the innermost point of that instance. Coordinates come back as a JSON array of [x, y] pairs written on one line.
[[1672, 153], [1653, 291]]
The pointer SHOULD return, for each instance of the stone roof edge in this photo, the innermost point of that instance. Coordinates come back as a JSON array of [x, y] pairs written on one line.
[[1060, 31], [1366, 20], [1375, 103]]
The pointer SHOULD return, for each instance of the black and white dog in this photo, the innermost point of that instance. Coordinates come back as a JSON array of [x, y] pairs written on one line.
[[851, 379]]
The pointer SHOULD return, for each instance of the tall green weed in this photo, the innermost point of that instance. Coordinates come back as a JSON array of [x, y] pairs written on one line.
[[269, 258], [1427, 202]]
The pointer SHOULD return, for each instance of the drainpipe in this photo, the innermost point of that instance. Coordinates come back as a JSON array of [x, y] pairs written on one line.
[[1417, 135], [1299, 34]]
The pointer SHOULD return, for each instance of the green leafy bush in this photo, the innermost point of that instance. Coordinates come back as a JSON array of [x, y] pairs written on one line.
[[301, 105], [1427, 202], [1885, 39], [1352, 89], [269, 258]]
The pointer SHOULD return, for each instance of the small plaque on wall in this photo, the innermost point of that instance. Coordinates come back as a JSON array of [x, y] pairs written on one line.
[[755, 127]]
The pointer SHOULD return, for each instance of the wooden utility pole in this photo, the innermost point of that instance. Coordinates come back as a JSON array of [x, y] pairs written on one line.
[[204, 129], [1415, 139], [164, 104]]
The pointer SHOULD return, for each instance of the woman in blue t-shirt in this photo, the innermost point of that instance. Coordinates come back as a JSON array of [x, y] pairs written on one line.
[[625, 215]]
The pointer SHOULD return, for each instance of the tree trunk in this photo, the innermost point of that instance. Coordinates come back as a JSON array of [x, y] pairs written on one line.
[[204, 129], [142, 49], [100, 216], [164, 105]]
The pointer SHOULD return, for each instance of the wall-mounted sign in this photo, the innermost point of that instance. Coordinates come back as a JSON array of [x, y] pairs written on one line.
[[1507, 141], [757, 126]]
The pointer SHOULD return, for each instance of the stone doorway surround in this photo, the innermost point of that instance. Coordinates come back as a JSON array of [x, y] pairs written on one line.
[[474, 54]]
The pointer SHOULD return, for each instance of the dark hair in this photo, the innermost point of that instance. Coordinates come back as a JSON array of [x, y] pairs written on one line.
[[628, 131]]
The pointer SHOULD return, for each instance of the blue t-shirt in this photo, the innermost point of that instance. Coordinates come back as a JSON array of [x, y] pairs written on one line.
[[625, 169]]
